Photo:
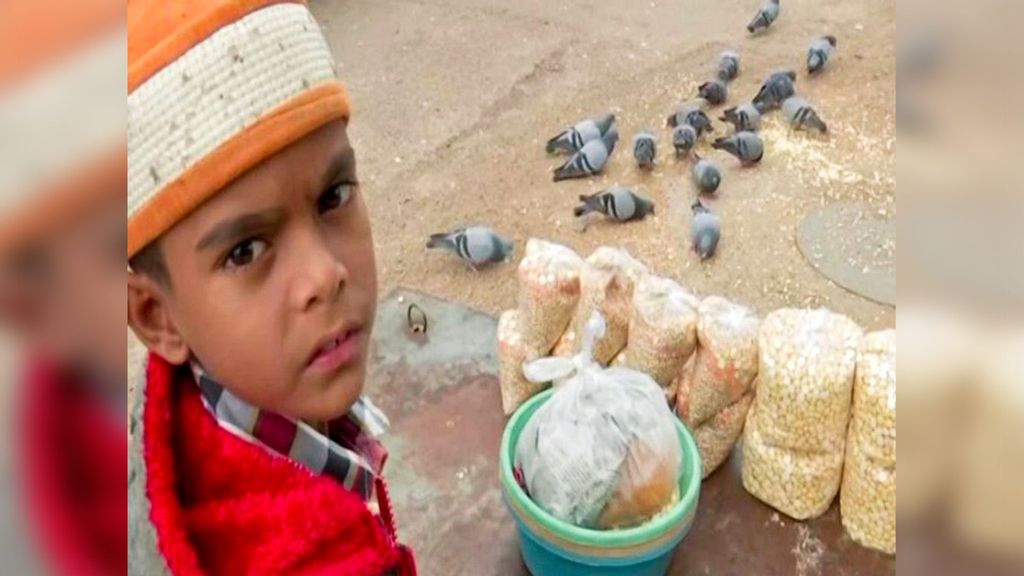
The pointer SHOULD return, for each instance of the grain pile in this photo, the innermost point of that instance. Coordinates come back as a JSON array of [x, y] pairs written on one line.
[[795, 434]]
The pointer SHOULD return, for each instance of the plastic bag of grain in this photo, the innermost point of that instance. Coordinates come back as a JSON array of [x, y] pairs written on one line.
[[795, 433], [662, 331], [607, 281], [512, 353], [603, 452], [868, 497], [549, 288], [566, 345], [725, 363], [716, 437], [801, 484]]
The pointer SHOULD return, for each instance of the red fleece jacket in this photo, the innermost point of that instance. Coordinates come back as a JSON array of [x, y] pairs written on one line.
[[221, 505], [74, 474]]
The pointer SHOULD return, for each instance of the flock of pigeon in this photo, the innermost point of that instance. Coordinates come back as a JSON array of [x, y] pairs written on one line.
[[591, 142]]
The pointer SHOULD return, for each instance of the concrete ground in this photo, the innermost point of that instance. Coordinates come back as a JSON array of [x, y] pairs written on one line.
[[454, 100]]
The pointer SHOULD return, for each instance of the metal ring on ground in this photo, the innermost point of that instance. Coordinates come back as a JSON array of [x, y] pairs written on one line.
[[417, 327]]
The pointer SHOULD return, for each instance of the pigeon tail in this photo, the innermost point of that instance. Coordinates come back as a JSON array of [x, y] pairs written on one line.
[[815, 63], [558, 143]]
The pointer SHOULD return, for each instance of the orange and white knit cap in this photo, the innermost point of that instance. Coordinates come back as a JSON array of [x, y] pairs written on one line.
[[62, 123], [214, 88]]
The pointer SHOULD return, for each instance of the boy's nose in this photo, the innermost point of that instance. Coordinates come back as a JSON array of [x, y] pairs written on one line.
[[320, 275]]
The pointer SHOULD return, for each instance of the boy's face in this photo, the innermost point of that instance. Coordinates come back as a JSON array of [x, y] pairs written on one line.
[[273, 284], [63, 295]]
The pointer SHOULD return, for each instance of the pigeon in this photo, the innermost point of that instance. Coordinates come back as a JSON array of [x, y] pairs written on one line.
[[617, 203], [590, 159], [775, 89], [747, 146], [744, 118], [706, 175], [818, 54], [705, 230], [476, 245], [714, 91], [728, 65], [684, 137], [692, 113], [574, 138], [645, 149], [765, 16], [801, 114]]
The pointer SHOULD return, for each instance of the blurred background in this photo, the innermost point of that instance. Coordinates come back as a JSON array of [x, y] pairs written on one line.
[[454, 100]]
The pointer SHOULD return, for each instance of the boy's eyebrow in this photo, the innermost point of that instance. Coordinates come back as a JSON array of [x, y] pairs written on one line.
[[342, 165], [240, 227]]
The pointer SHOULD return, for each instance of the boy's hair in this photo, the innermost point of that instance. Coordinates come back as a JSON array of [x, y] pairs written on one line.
[[150, 262]]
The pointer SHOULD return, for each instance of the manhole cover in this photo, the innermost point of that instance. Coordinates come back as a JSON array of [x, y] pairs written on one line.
[[853, 246]]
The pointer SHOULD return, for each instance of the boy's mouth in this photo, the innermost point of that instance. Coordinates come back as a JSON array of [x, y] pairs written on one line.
[[336, 350]]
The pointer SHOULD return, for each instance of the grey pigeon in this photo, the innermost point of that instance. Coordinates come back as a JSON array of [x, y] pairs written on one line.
[[801, 114], [747, 146], [476, 245], [645, 149], [590, 159], [714, 91], [684, 137], [691, 113], [574, 138], [745, 117], [705, 231], [728, 65], [706, 176], [775, 89], [617, 203], [820, 51], [765, 16]]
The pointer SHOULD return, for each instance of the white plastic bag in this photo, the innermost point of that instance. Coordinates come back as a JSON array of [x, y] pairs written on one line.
[[603, 452]]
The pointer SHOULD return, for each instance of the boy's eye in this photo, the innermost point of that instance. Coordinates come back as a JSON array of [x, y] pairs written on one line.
[[335, 196], [245, 253]]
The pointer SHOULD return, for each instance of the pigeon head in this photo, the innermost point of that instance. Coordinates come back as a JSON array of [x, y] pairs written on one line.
[[831, 40], [644, 206], [698, 208], [605, 122]]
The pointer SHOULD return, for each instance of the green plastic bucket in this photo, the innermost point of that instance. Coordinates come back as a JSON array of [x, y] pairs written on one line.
[[552, 547]]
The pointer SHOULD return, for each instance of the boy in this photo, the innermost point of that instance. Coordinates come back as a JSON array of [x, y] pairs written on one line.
[[253, 285]]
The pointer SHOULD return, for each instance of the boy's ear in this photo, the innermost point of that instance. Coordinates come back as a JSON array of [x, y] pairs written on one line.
[[150, 319]]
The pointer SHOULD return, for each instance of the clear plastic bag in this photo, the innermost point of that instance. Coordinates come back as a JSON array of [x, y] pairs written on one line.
[[867, 497], [607, 281], [725, 363], [716, 437], [603, 452], [662, 331], [795, 435], [549, 289], [512, 353]]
